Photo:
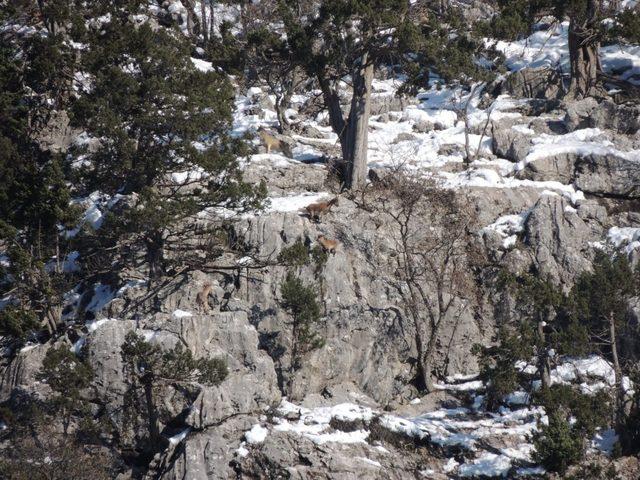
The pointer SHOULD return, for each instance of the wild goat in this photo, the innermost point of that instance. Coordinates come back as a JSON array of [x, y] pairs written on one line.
[[271, 142], [316, 210], [202, 299], [327, 244]]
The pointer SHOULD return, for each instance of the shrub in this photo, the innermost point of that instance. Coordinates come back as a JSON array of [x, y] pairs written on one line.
[[300, 301], [18, 323], [590, 411], [296, 255], [497, 366], [558, 444]]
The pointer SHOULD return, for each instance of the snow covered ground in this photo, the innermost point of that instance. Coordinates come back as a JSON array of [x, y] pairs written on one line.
[[494, 444], [549, 48], [398, 143]]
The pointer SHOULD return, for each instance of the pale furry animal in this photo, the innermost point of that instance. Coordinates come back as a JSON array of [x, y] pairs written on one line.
[[327, 244], [316, 210], [202, 299], [271, 142]]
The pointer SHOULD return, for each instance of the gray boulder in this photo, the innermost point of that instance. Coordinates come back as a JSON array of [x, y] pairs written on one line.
[[385, 103], [607, 174], [610, 175], [588, 113], [542, 83], [560, 167], [512, 144]]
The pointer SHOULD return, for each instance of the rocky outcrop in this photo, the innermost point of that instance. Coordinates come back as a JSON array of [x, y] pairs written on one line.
[[542, 83], [589, 113], [367, 341], [21, 372], [511, 143], [559, 239], [57, 135], [606, 174]]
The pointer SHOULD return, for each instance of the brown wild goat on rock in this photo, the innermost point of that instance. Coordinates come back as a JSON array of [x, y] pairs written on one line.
[[202, 299], [327, 244], [316, 210]]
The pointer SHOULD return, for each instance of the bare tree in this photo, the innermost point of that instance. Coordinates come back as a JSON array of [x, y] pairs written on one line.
[[462, 112], [431, 261]]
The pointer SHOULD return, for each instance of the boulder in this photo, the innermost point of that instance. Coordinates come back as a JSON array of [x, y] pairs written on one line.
[[541, 82], [511, 143], [560, 167], [589, 113], [385, 103], [608, 175]]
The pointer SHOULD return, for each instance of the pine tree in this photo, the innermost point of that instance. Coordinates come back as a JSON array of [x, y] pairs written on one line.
[[346, 37], [558, 444], [600, 303], [155, 114], [301, 302], [67, 376], [34, 193], [148, 368]]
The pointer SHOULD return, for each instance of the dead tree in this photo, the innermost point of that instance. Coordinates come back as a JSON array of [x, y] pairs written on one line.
[[432, 237]]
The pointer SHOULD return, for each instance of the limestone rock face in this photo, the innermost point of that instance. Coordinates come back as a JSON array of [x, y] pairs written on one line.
[[558, 238], [367, 340], [607, 174], [589, 113], [103, 347], [533, 83], [207, 454], [21, 373]]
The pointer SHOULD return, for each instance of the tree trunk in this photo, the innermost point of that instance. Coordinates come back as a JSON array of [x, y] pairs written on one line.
[[617, 369], [203, 14], [357, 134], [427, 366], [154, 245], [584, 55], [332, 103], [294, 356], [212, 23], [544, 366], [154, 429], [193, 23]]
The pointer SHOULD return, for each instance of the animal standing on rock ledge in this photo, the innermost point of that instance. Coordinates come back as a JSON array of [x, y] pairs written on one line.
[[316, 210], [202, 299], [327, 244]]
